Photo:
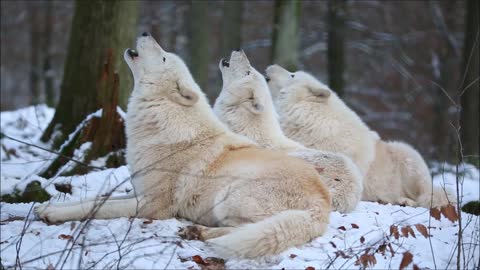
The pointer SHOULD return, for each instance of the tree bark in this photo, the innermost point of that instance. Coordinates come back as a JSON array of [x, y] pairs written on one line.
[[231, 26], [199, 49], [469, 115], [336, 16], [96, 26], [285, 40], [35, 37], [48, 78]]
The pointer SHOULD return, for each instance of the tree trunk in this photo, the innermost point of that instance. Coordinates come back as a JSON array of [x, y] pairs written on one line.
[[105, 133], [469, 116], [285, 40], [231, 26], [199, 49], [35, 37], [96, 26], [336, 44], [47, 65]]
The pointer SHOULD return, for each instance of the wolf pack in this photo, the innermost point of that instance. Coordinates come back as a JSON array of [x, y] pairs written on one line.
[[260, 171]]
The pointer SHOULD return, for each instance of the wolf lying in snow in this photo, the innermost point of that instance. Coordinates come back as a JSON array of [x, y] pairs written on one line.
[[245, 105], [315, 116], [186, 163]]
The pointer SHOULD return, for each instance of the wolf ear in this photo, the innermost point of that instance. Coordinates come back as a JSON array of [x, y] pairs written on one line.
[[254, 104], [320, 92], [183, 96]]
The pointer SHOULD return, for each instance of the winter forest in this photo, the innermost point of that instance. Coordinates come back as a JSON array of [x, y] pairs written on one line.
[[408, 69]]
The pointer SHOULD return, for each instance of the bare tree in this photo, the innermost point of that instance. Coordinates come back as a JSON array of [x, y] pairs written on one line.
[[285, 40], [97, 26], [469, 115], [336, 16], [47, 64], [35, 35], [231, 26], [199, 45]]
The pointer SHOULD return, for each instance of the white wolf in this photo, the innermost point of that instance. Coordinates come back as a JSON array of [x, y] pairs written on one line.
[[186, 163], [245, 105], [315, 116]]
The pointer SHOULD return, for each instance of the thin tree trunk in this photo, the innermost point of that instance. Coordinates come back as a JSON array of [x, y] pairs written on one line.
[[47, 65], [199, 49], [96, 26], [35, 37], [285, 40], [336, 16], [231, 26], [469, 116]]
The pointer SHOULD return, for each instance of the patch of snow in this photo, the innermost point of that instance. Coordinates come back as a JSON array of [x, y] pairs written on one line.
[[137, 243]]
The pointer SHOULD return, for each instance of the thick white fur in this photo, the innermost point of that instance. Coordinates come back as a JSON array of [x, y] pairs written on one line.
[[186, 163], [245, 105], [312, 114]]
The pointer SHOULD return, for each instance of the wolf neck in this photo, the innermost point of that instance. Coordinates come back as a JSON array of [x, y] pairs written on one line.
[[266, 131], [166, 123]]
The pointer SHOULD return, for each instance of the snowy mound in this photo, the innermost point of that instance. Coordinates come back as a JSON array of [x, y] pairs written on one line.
[[374, 235]]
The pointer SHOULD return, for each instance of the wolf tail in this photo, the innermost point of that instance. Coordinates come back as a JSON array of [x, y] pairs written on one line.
[[273, 234]]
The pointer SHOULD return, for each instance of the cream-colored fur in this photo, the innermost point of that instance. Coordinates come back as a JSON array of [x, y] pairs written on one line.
[[245, 105], [186, 163], [312, 114]]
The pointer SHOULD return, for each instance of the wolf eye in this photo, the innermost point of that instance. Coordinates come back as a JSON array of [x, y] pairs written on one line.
[[292, 75], [248, 72], [164, 59]]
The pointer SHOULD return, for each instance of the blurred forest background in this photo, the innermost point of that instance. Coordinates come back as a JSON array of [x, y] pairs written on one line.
[[401, 65]]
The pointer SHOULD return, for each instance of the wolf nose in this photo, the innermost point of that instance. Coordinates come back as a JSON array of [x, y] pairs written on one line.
[[145, 34], [237, 50]]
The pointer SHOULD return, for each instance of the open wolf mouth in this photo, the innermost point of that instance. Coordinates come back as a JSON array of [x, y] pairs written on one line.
[[225, 63], [132, 53]]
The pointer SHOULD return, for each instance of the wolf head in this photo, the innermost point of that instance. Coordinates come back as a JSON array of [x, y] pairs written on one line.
[[244, 91], [296, 87], [158, 73]]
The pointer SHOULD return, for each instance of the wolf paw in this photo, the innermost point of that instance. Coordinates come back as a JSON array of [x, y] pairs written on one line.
[[46, 213]]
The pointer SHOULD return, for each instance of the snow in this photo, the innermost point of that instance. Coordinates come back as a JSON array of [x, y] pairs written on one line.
[[138, 243]]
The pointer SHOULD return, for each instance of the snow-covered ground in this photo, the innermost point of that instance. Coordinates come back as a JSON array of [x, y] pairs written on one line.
[[364, 234]]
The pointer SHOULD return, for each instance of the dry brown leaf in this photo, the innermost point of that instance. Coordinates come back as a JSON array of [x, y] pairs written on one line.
[[198, 259], [213, 263], [394, 231], [435, 213], [310, 268], [340, 253], [450, 212], [65, 236], [422, 229], [406, 260], [366, 260], [148, 221], [362, 239], [404, 231], [381, 249], [410, 230], [342, 228], [292, 256], [415, 267], [355, 226]]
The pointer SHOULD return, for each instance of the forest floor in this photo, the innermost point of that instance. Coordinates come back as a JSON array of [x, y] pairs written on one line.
[[380, 236]]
